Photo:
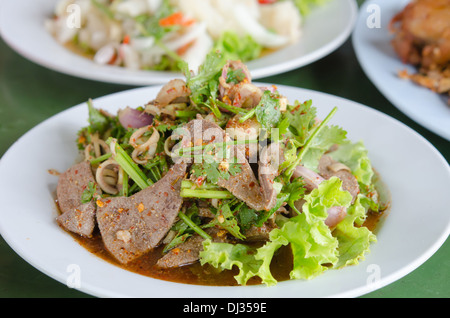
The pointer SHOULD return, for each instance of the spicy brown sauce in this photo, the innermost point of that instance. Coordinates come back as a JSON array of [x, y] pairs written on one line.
[[197, 274]]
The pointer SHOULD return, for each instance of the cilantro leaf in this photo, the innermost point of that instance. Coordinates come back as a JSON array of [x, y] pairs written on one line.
[[213, 171], [268, 111], [205, 85], [97, 121], [182, 229], [235, 76], [301, 120], [89, 193], [226, 220], [327, 137], [296, 190], [247, 216]]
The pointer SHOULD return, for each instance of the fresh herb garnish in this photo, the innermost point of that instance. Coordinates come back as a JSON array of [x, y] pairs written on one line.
[[301, 118], [235, 76], [268, 111], [213, 171], [225, 219], [205, 85], [97, 121], [89, 193]]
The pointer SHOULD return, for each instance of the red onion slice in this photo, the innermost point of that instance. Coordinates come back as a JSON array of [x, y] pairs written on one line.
[[312, 180], [133, 118]]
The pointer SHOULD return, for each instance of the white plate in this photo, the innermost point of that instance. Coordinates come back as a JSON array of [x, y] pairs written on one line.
[[381, 64], [416, 173], [22, 27]]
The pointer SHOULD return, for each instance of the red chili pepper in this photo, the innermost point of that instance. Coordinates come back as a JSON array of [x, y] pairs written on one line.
[[126, 39], [200, 180], [176, 18]]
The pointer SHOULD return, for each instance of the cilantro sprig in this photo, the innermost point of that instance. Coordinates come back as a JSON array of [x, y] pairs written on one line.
[[226, 219], [212, 171], [89, 193]]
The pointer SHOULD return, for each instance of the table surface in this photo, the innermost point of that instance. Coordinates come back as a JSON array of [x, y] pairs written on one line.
[[29, 94]]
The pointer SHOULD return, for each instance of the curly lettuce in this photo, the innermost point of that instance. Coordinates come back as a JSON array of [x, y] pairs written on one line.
[[235, 47], [355, 156], [315, 247], [354, 239]]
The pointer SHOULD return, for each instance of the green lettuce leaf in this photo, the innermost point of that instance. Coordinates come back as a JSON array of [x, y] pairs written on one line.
[[329, 136], [224, 256], [234, 47], [314, 247], [355, 156], [354, 241]]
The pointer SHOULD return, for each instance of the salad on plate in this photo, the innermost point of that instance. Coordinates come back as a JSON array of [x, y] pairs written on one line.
[[157, 34], [219, 181]]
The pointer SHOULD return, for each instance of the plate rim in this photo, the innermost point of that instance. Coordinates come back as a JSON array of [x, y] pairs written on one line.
[[404, 270]]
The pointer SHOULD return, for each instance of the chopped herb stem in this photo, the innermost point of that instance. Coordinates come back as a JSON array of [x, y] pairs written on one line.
[[186, 184], [156, 173], [249, 115], [185, 113], [100, 159], [125, 186], [130, 167], [206, 194], [290, 171], [194, 226], [214, 108], [230, 108]]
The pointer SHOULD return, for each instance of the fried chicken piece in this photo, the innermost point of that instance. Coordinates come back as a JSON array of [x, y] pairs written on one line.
[[422, 38], [422, 33]]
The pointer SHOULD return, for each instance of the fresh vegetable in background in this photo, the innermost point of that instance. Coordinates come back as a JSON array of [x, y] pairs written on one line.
[[157, 34]]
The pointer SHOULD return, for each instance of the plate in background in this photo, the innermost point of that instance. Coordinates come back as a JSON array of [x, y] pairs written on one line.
[[22, 27], [381, 65]]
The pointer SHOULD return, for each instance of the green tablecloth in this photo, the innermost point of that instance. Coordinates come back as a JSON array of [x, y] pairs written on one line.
[[30, 94]]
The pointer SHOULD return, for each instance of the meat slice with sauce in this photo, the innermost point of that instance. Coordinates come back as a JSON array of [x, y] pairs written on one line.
[[244, 185], [76, 217], [189, 252], [271, 158], [132, 226]]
